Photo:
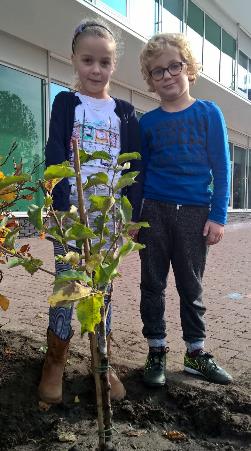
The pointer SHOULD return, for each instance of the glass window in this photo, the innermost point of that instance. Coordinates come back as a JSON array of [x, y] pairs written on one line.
[[249, 179], [227, 60], [147, 10], [231, 154], [195, 29], [249, 80], [119, 6], [172, 15], [242, 73], [212, 45], [22, 120], [239, 177], [54, 90]]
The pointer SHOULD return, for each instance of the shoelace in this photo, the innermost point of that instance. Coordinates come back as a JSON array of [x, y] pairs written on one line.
[[155, 359], [207, 356]]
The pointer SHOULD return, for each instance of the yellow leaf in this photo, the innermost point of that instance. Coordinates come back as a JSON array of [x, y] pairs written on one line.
[[4, 302], [68, 292], [50, 184], [88, 312]]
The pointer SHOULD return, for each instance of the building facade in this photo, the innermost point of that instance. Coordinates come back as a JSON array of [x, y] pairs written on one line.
[[35, 64]]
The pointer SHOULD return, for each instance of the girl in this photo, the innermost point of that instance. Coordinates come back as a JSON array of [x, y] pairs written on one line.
[[98, 122]]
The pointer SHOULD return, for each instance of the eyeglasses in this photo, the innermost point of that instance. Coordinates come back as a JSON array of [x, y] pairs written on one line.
[[173, 69]]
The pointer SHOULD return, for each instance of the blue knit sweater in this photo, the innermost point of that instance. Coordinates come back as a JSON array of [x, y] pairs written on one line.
[[186, 157]]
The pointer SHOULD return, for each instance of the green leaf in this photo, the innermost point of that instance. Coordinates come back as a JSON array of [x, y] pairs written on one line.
[[9, 241], [128, 157], [101, 155], [59, 171], [126, 180], [70, 275], [30, 264], [93, 262], [125, 210], [35, 215], [13, 179], [14, 261], [85, 156], [55, 232], [4, 221], [95, 248], [70, 292], [101, 178], [71, 257], [106, 273], [137, 225], [48, 200], [101, 203], [79, 232], [88, 312]]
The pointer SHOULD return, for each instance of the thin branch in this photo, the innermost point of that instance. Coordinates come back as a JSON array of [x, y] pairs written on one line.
[[7, 252]]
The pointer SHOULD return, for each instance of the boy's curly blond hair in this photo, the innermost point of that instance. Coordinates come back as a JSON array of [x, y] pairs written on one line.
[[160, 42]]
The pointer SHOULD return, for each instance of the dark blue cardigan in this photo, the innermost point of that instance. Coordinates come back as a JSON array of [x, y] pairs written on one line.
[[58, 146]]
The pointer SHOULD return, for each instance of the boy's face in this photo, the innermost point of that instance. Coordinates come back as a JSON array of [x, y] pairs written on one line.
[[170, 87]]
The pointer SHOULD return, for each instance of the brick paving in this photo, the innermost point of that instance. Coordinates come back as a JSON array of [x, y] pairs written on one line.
[[227, 296]]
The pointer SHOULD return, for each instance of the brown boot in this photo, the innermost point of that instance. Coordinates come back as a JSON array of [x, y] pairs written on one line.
[[118, 391], [50, 387]]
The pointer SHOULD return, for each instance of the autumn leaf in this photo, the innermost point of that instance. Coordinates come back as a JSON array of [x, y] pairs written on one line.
[[88, 312], [70, 292], [175, 436], [4, 302]]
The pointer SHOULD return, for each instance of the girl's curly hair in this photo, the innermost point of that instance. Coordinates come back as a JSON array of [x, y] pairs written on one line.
[[160, 42]]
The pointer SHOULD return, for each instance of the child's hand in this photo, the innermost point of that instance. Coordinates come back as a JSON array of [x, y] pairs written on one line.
[[214, 232]]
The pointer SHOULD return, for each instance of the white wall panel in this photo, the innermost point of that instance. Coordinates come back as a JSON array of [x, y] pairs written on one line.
[[237, 138], [143, 103], [61, 72], [22, 54], [120, 92]]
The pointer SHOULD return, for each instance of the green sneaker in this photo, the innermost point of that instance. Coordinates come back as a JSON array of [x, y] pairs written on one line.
[[155, 367], [204, 365]]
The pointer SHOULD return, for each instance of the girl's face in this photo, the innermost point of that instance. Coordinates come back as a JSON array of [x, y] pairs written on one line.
[[93, 61], [170, 87]]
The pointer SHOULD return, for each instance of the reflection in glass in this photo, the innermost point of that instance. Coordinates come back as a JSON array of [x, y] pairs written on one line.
[[212, 46], [54, 90], [120, 6], [231, 155], [227, 71], [22, 120], [143, 17], [211, 60], [196, 42], [239, 177], [249, 80], [249, 179], [242, 73], [228, 56], [172, 13], [195, 29]]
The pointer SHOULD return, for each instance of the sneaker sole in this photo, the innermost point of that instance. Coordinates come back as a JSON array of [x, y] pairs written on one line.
[[192, 371]]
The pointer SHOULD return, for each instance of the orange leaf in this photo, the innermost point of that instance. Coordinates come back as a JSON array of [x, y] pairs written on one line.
[[4, 302], [175, 436], [24, 248], [42, 235]]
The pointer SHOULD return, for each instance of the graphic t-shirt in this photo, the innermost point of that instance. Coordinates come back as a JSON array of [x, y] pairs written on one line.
[[96, 128]]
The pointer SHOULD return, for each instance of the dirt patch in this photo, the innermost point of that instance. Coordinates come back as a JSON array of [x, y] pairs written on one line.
[[209, 419]]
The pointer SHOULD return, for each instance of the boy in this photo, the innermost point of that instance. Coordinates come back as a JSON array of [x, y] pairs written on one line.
[[184, 149]]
